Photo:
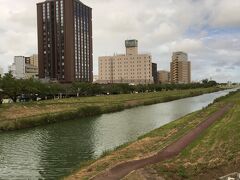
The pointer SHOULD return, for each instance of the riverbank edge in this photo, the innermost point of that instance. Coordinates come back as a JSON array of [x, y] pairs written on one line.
[[88, 111], [125, 145]]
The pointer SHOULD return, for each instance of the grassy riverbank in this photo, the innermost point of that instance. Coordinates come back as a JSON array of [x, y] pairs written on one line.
[[214, 154], [25, 115]]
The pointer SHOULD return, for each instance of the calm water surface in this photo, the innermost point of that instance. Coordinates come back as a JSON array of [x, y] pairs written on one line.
[[53, 151]]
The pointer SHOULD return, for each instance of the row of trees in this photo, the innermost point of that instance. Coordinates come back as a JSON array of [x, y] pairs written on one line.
[[31, 89]]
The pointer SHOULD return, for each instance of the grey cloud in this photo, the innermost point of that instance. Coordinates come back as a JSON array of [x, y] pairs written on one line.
[[218, 70], [225, 41], [2, 30], [2, 51], [231, 67], [237, 63]]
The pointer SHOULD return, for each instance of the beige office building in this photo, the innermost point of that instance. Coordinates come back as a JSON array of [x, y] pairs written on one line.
[[164, 77], [34, 60], [31, 66], [180, 68], [31, 71], [131, 68], [95, 78]]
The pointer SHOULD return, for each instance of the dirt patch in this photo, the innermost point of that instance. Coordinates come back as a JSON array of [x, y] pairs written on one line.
[[132, 103]]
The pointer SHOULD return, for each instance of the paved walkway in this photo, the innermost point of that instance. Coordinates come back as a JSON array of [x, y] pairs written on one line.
[[170, 151]]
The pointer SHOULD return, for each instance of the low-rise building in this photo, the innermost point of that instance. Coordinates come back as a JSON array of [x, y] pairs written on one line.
[[131, 68], [164, 77], [31, 71], [34, 60], [31, 66]]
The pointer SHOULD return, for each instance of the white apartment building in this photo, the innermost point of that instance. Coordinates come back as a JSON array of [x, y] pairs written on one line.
[[131, 68], [18, 67]]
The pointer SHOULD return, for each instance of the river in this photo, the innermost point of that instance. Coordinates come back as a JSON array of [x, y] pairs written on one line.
[[53, 151]]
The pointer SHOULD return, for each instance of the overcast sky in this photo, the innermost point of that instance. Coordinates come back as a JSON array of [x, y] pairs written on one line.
[[208, 30]]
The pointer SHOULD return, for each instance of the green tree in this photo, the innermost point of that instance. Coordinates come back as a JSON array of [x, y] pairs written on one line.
[[10, 86], [205, 81]]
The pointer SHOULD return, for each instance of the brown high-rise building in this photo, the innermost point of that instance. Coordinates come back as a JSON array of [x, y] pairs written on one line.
[[180, 68], [65, 41]]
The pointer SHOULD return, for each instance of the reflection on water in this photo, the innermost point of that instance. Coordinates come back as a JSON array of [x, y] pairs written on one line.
[[53, 151]]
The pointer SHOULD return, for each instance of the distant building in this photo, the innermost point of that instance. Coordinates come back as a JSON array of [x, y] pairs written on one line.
[[31, 66], [155, 73], [31, 71], [22, 68], [12, 69], [95, 78], [18, 67], [34, 60], [180, 68], [131, 68], [27, 60], [164, 77], [65, 41]]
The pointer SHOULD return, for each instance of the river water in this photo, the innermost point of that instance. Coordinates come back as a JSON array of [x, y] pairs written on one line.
[[53, 151]]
